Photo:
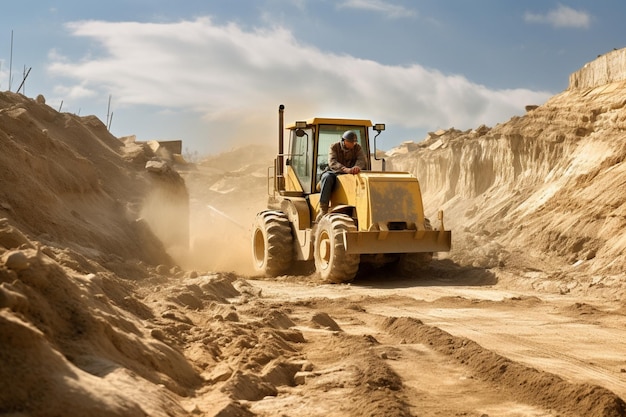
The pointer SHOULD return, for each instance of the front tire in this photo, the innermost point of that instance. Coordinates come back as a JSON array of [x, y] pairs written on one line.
[[272, 243], [331, 260]]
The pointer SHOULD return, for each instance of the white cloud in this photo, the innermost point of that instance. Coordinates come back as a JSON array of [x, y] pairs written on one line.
[[561, 17], [74, 91], [385, 7], [235, 78]]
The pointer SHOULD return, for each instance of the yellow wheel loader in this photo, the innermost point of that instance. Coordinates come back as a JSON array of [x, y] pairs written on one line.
[[375, 217]]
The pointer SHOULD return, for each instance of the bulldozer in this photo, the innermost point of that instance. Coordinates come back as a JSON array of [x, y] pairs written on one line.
[[375, 217]]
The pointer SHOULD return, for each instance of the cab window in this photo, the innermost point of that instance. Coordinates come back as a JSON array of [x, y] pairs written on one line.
[[301, 156], [330, 134]]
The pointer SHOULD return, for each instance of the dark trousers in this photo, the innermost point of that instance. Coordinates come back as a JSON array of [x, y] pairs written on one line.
[[327, 183]]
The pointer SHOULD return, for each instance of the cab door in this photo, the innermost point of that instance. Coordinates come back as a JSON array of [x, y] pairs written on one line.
[[301, 158]]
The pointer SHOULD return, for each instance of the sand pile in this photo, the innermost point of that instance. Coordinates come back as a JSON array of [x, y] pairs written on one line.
[[72, 241], [65, 183]]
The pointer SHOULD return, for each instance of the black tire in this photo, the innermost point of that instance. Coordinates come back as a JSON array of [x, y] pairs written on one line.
[[272, 243], [331, 260], [410, 264]]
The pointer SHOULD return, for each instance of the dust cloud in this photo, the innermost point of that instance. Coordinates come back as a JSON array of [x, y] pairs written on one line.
[[226, 191], [218, 242]]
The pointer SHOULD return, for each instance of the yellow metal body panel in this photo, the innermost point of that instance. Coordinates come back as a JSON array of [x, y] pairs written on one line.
[[381, 198], [291, 180], [384, 200], [380, 201], [297, 210], [314, 201]]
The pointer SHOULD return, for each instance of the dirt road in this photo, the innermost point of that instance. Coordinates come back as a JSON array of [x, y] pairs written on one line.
[[486, 332], [448, 344]]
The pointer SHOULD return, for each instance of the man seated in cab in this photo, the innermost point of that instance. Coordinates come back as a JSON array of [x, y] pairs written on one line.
[[344, 157]]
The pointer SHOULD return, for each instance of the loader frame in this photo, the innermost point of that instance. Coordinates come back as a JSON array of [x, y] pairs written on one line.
[[375, 216]]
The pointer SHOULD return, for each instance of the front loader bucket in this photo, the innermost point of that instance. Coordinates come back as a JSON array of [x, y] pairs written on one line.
[[398, 241]]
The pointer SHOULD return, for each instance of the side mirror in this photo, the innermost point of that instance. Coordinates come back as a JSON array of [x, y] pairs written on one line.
[[378, 127]]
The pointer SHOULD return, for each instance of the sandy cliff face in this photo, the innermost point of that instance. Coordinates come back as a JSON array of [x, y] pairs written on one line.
[[606, 69], [549, 184]]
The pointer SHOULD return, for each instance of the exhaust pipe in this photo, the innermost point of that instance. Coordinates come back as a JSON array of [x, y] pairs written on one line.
[[280, 180]]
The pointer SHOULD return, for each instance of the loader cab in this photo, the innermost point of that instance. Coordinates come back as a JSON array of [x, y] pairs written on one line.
[[309, 143]]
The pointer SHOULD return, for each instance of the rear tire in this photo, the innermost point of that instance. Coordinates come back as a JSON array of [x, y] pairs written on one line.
[[331, 260], [272, 243]]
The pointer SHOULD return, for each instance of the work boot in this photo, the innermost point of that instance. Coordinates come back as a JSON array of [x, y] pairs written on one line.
[[322, 213]]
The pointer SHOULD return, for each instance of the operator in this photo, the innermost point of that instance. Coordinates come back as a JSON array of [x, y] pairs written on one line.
[[344, 157]]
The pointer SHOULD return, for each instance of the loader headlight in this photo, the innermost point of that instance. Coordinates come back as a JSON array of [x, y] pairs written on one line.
[[300, 125], [379, 127]]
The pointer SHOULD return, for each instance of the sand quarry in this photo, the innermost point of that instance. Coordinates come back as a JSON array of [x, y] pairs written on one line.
[[126, 286]]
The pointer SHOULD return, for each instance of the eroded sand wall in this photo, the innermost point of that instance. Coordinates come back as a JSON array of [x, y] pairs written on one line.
[[607, 68], [541, 182]]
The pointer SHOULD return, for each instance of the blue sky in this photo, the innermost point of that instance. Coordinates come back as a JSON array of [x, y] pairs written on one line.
[[213, 73]]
